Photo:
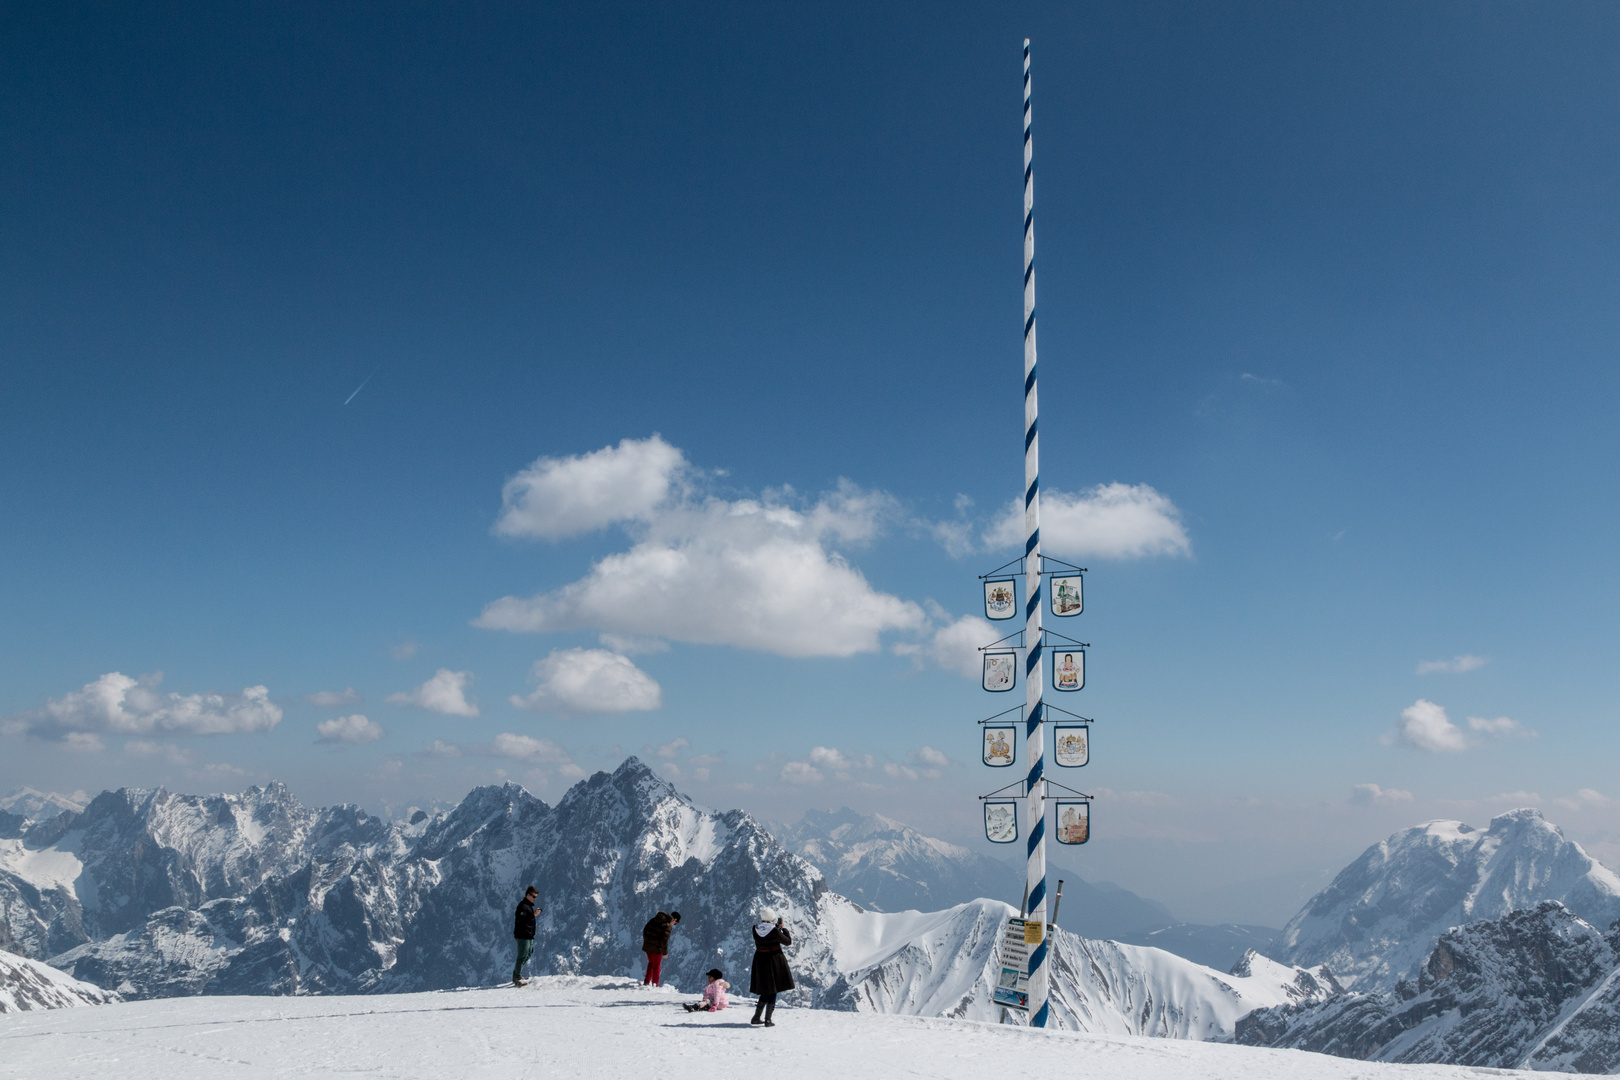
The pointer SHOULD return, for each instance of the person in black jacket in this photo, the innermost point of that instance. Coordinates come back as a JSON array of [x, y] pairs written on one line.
[[523, 931], [655, 943], [770, 975]]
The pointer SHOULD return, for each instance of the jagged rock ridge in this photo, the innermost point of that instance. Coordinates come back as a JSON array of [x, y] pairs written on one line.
[[158, 894], [1536, 989]]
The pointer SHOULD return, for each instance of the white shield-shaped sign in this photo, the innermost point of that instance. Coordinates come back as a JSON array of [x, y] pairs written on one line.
[[1001, 821], [1065, 596], [1073, 822], [1000, 599], [1000, 671], [1073, 745], [1000, 745], [1068, 669]]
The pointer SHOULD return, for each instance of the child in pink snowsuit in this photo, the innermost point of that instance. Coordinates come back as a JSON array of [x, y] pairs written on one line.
[[714, 995]]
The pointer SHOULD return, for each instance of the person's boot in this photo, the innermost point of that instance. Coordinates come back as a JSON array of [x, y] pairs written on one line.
[[770, 1010], [758, 1009]]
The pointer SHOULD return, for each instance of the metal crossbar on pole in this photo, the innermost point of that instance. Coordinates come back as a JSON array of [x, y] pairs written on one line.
[[1034, 674]]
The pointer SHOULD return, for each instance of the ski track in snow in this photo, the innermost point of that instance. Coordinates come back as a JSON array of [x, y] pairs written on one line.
[[602, 1027]]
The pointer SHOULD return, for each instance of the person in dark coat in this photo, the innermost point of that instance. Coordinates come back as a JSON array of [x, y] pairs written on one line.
[[770, 975], [655, 943], [523, 931]]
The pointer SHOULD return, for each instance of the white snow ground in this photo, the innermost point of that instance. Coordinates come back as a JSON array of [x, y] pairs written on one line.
[[567, 1025]]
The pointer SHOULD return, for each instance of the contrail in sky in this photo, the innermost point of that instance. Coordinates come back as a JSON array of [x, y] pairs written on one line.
[[362, 385]]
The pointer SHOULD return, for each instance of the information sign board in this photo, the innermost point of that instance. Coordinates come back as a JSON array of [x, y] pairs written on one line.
[[1012, 986]]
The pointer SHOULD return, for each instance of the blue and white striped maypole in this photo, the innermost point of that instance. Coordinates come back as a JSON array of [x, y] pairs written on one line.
[[1034, 670]]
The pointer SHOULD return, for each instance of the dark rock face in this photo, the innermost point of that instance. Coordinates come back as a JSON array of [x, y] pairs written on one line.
[[1538, 988], [255, 893]]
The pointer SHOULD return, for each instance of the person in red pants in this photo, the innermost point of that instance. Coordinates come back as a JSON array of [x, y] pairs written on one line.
[[655, 943]]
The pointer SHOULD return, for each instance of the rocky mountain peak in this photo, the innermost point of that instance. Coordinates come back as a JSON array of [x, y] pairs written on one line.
[[1376, 923]]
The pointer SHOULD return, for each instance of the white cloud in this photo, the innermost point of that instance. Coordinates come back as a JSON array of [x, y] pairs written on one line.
[[1457, 665], [350, 729], [956, 537], [1373, 795], [215, 771], [1585, 799], [1515, 798], [119, 705], [590, 680], [561, 497], [897, 771], [445, 693], [169, 752], [671, 750], [1501, 727], [405, 649], [329, 699], [955, 646], [830, 757], [524, 748], [633, 646], [756, 574], [1424, 724], [929, 756], [84, 742], [1109, 521], [800, 772]]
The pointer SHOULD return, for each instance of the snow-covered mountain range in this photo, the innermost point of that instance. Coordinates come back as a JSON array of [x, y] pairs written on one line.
[[1380, 918], [1218, 947], [156, 894], [30, 806], [887, 866], [944, 963], [1535, 989], [152, 894]]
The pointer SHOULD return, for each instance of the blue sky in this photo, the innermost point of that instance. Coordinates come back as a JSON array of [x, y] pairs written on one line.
[[1330, 290]]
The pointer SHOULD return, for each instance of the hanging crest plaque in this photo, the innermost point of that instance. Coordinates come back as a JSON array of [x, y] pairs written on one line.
[[1001, 821], [1068, 670], [1000, 745], [1000, 600], [1000, 671], [1066, 597], [1073, 822], [1073, 745]]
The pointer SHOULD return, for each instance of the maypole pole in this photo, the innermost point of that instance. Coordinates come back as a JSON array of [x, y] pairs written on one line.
[[1034, 674]]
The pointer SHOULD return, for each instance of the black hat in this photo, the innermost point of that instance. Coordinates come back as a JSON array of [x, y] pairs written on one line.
[[716, 973], [675, 915]]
